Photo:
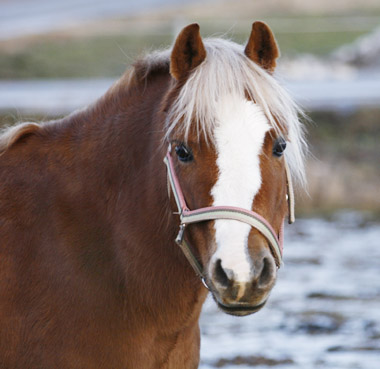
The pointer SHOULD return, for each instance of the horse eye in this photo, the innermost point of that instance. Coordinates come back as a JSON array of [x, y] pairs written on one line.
[[279, 147], [183, 153]]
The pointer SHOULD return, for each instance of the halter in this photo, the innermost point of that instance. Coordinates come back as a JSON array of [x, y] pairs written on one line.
[[250, 217]]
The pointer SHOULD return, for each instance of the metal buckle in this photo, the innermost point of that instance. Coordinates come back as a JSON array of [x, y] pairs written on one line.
[[181, 232], [204, 282]]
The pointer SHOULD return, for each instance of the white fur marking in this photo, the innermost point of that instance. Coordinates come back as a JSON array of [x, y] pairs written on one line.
[[239, 137]]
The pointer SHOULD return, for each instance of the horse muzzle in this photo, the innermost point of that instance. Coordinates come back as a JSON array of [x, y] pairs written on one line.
[[240, 309], [243, 294]]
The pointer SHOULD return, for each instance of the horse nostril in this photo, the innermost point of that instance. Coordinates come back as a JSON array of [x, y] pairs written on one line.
[[266, 275], [220, 275]]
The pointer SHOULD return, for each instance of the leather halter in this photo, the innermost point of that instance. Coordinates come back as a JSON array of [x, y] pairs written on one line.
[[250, 217]]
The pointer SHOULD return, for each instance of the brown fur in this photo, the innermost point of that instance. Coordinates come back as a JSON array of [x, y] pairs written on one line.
[[262, 46], [90, 276], [188, 52], [80, 264]]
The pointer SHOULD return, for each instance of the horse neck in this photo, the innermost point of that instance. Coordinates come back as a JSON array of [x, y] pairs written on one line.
[[129, 155]]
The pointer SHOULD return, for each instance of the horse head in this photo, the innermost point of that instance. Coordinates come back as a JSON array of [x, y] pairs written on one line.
[[227, 133]]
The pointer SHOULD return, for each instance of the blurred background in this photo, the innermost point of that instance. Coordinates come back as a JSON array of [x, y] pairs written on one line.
[[325, 310]]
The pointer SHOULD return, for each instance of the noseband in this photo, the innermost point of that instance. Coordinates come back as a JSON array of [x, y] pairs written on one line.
[[249, 217]]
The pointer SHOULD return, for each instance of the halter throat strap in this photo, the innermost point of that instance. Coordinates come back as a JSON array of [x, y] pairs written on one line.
[[252, 218]]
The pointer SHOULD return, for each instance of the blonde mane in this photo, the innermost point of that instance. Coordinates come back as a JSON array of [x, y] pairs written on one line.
[[227, 71], [10, 135]]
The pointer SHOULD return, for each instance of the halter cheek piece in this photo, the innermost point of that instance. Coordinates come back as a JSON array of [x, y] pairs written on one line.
[[252, 218]]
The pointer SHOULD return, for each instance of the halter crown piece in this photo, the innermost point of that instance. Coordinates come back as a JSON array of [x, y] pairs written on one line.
[[252, 218]]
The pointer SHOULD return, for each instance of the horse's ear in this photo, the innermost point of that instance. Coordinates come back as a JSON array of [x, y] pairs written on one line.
[[262, 46], [188, 52]]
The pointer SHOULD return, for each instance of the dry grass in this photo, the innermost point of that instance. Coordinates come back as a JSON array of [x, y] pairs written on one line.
[[344, 171], [340, 184]]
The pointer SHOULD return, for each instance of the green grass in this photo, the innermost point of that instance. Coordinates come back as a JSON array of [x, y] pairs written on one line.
[[315, 43], [108, 56], [76, 58]]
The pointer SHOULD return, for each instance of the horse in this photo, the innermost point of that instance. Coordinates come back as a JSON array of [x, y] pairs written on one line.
[[113, 216]]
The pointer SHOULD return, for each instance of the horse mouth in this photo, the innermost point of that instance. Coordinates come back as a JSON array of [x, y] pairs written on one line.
[[240, 310]]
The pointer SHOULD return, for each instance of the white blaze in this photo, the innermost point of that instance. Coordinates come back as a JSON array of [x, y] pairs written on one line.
[[239, 138]]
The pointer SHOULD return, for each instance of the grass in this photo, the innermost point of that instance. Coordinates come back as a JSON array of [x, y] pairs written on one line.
[[315, 43], [108, 55], [76, 58], [343, 172], [353, 137]]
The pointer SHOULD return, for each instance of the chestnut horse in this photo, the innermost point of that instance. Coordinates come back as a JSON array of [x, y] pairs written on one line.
[[90, 273]]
